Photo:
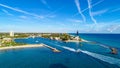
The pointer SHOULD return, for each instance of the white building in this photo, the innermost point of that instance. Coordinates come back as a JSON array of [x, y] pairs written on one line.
[[77, 38], [57, 38], [7, 40], [11, 33]]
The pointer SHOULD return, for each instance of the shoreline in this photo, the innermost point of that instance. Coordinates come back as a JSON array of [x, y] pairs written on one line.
[[22, 46], [82, 40]]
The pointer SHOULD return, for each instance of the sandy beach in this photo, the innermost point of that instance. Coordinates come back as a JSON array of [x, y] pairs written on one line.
[[21, 46]]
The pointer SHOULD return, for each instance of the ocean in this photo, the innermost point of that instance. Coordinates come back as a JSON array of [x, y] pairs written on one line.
[[91, 55]]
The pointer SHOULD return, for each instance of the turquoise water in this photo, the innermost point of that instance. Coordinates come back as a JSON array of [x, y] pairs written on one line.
[[91, 55]]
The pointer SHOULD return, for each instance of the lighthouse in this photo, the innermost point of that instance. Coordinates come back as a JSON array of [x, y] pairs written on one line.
[[77, 33]]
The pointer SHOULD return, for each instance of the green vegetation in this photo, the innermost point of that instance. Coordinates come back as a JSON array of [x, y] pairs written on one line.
[[18, 35], [59, 36], [2, 35], [21, 35], [12, 43], [65, 37], [6, 40]]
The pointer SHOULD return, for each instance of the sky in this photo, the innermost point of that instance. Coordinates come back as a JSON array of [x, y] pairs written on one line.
[[86, 16]]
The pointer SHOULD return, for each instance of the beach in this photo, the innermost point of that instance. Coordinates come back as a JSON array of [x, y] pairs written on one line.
[[21, 46]]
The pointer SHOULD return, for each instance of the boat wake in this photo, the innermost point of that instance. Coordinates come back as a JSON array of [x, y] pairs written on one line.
[[104, 58]]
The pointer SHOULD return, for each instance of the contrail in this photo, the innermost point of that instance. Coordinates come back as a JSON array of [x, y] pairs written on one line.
[[91, 7], [54, 11], [19, 10], [79, 9], [90, 12]]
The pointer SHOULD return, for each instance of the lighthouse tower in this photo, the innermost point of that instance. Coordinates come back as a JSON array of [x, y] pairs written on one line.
[[77, 33], [11, 34]]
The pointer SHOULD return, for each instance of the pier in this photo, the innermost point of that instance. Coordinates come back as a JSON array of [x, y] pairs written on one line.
[[52, 48]]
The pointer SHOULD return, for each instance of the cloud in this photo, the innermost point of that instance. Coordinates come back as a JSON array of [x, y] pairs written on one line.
[[118, 9], [21, 11], [52, 13], [113, 28], [79, 10], [99, 12], [90, 11], [51, 16], [23, 17], [75, 20], [114, 21], [45, 3], [6, 12], [100, 27]]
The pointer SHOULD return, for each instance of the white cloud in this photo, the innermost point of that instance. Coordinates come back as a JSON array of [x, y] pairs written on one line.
[[118, 9], [113, 28], [79, 10], [45, 3], [23, 17], [21, 11], [102, 28], [75, 20], [52, 13], [99, 12], [6, 12], [52, 16], [114, 21]]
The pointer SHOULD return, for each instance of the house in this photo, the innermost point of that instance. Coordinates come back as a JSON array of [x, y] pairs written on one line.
[[6, 40]]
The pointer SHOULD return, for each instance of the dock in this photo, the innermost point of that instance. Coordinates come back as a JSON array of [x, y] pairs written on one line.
[[52, 48]]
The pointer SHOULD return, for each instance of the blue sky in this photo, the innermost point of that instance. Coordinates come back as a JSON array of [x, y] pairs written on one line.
[[87, 16]]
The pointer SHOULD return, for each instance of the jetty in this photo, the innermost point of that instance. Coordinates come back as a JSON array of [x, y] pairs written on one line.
[[52, 48], [113, 50]]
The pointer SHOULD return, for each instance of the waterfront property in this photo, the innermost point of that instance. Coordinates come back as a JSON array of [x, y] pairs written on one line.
[[63, 37]]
